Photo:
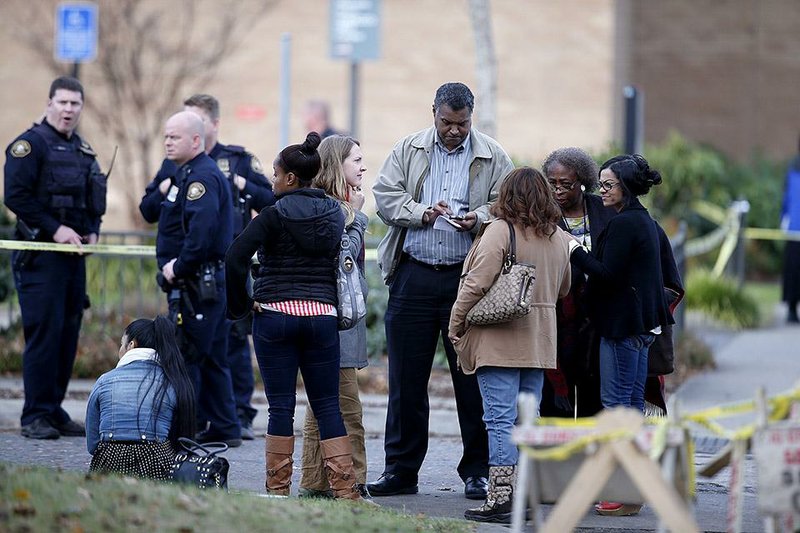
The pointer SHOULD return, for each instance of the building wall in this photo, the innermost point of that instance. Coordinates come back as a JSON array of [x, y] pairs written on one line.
[[722, 72], [555, 78]]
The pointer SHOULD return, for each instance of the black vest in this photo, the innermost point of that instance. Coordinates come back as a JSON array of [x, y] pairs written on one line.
[[285, 273], [64, 180]]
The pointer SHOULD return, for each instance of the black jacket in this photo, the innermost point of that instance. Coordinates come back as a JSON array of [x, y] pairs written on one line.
[[297, 241], [626, 287]]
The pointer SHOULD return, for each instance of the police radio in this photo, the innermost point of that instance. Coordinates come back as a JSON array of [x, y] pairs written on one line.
[[208, 284]]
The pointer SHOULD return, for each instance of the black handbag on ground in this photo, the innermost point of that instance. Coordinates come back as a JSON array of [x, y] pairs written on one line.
[[200, 465]]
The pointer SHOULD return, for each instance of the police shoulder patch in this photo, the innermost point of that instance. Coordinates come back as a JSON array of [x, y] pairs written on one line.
[[256, 165], [20, 148], [86, 149], [195, 190], [224, 165]]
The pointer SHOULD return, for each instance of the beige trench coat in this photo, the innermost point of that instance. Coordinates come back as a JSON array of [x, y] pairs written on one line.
[[530, 341]]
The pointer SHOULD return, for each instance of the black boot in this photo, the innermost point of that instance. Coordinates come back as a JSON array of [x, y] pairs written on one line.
[[499, 497], [792, 316]]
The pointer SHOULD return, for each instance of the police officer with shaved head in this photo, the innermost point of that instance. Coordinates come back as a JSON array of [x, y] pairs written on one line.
[[54, 185], [250, 191], [195, 228]]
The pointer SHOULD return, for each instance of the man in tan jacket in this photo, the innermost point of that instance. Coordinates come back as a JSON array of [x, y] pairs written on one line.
[[433, 191]]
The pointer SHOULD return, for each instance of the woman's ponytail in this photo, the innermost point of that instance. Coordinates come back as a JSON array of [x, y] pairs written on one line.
[[171, 361]]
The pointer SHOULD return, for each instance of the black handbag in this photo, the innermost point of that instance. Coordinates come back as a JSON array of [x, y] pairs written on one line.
[[200, 465]]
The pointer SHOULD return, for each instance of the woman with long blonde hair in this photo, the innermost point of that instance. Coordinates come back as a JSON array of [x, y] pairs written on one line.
[[340, 177]]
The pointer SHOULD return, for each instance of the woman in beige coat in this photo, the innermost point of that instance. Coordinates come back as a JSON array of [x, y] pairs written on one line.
[[510, 358]]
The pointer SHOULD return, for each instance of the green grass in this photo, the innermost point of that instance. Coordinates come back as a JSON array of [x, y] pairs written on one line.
[[37, 499], [767, 295]]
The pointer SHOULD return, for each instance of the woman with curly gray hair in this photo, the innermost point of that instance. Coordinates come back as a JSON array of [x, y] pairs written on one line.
[[573, 387]]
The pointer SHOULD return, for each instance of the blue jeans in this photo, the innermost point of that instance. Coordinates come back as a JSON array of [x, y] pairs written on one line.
[[623, 370], [286, 343], [500, 388]]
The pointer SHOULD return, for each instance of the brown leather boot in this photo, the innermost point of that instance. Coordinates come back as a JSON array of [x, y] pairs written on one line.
[[338, 457], [279, 464]]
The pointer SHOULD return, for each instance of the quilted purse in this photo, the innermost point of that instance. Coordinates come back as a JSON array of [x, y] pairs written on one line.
[[509, 297], [200, 465]]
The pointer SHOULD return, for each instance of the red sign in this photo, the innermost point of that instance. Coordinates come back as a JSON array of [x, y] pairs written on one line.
[[250, 112]]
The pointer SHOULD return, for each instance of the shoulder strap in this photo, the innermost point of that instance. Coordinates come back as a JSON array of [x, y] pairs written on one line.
[[511, 256], [512, 249]]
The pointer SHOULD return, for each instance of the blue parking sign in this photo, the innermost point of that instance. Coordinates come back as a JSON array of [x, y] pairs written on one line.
[[76, 32]]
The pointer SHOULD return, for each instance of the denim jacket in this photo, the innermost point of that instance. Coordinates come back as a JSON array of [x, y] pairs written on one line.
[[121, 405]]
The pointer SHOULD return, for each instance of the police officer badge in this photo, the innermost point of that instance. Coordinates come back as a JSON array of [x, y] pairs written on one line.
[[21, 148], [195, 191], [256, 165], [225, 166]]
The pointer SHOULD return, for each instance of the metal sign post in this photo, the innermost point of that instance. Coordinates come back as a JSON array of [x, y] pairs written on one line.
[[355, 36]]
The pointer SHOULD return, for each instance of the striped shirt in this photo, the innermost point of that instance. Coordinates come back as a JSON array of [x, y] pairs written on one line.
[[301, 308], [448, 180]]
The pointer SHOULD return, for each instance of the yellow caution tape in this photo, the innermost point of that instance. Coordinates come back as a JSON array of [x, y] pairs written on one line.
[[778, 407], [588, 422], [709, 211], [567, 422], [692, 481], [102, 249], [727, 249], [770, 234], [106, 249], [563, 452], [659, 443]]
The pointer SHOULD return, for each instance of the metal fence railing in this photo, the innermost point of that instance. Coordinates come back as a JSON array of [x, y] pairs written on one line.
[[120, 287]]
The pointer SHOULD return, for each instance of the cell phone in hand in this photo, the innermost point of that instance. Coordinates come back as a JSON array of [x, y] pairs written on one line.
[[453, 221]]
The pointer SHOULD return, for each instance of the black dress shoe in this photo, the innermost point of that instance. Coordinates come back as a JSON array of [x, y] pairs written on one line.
[[247, 430], [475, 487], [391, 484], [204, 436], [40, 429], [70, 428]]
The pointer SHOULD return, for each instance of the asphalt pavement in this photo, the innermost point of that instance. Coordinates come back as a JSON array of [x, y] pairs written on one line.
[[745, 360]]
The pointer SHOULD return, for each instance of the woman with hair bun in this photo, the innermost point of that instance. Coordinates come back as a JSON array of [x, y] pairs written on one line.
[[625, 289], [295, 325], [341, 177], [137, 412]]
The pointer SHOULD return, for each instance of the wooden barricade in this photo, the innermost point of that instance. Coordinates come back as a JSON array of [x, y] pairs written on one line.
[[577, 465]]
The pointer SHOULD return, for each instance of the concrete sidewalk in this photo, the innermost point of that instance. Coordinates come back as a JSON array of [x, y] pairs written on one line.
[[767, 357]]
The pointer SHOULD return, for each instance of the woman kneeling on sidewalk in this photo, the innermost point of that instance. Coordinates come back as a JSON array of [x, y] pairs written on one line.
[[137, 412], [295, 325], [510, 357]]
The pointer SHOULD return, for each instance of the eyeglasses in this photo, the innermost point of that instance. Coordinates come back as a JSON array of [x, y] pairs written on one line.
[[606, 186], [562, 187]]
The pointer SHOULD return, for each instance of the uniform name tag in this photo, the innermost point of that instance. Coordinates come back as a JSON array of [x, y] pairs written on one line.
[[172, 194]]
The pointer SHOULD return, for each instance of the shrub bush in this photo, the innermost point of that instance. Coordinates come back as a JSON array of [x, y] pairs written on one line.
[[721, 299], [693, 171]]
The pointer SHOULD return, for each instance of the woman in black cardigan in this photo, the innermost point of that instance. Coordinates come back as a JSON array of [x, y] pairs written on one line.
[[625, 286]]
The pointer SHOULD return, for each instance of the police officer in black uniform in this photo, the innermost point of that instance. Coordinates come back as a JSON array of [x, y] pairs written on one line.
[[194, 231], [250, 190], [54, 186]]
